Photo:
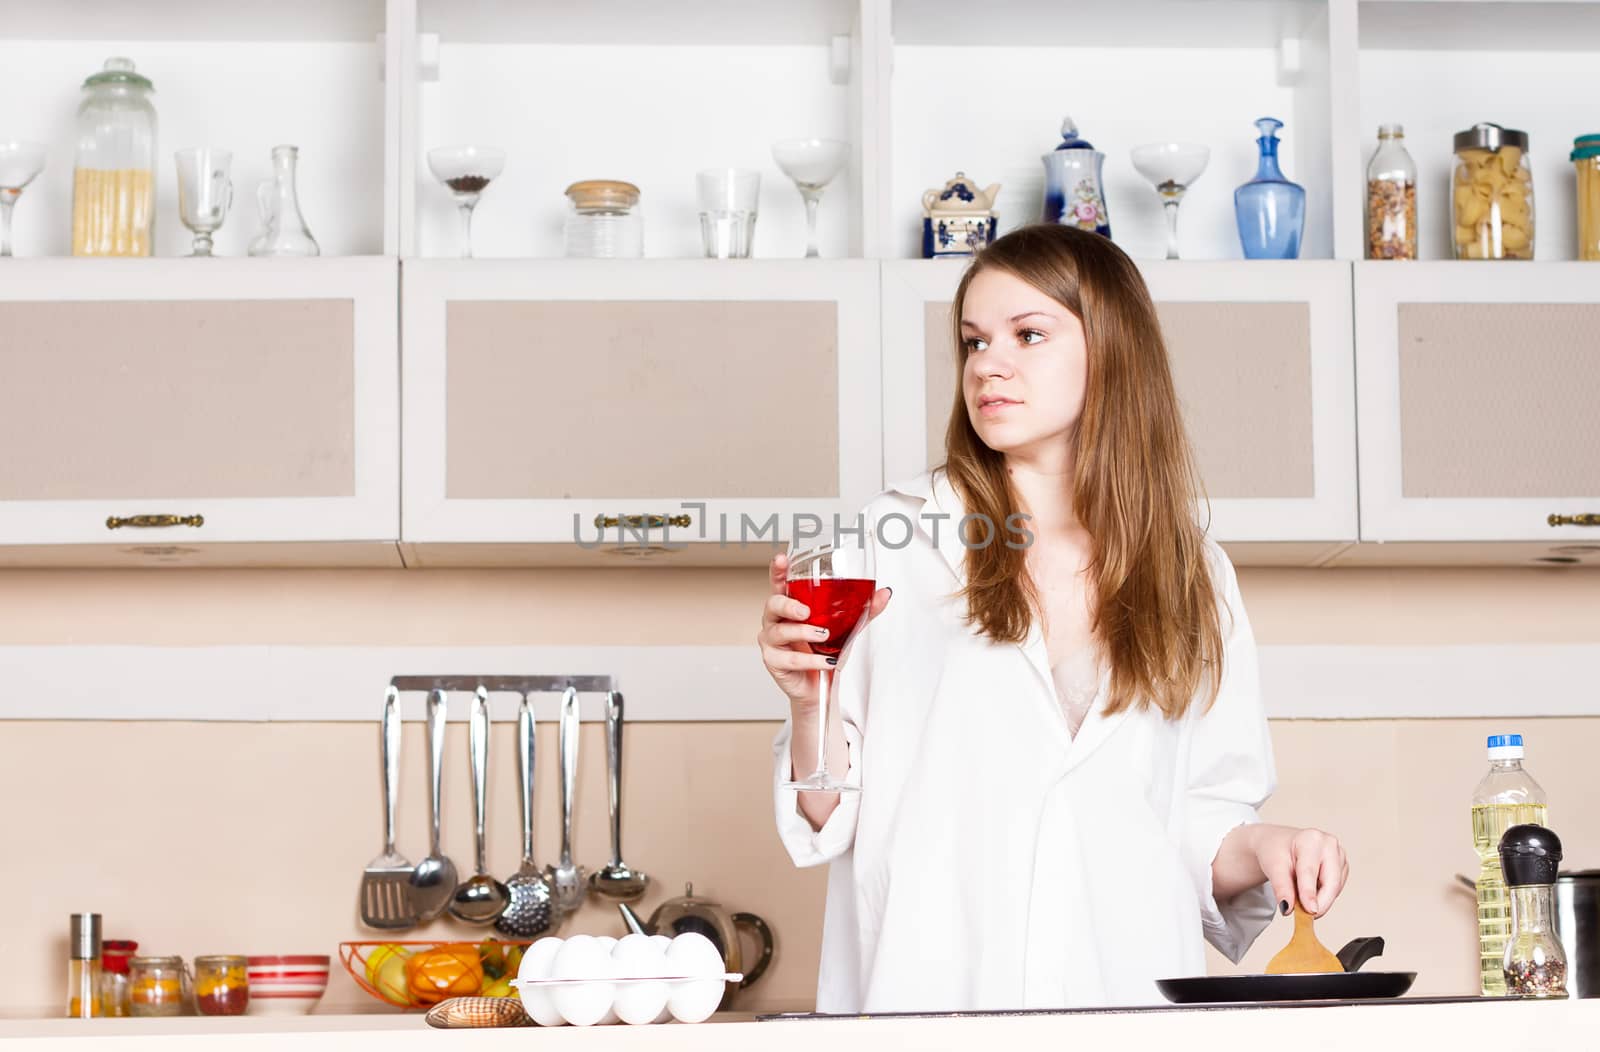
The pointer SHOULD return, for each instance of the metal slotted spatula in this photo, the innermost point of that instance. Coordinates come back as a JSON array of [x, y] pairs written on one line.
[[386, 884]]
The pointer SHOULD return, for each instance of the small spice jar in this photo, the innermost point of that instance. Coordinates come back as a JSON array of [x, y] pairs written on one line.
[[1535, 964], [1492, 194], [221, 985], [155, 986], [603, 220], [1585, 158], [116, 985], [1391, 198]]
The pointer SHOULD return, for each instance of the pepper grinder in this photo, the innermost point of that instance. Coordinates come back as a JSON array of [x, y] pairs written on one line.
[[83, 966], [1535, 964]]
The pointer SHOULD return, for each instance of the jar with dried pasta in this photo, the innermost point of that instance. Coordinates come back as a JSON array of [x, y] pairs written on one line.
[[1585, 158], [113, 182], [1391, 198], [1492, 194]]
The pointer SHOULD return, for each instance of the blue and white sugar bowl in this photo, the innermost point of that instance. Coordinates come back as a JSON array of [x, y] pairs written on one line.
[[959, 219]]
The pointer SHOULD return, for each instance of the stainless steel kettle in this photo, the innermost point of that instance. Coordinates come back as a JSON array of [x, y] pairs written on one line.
[[689, 912]]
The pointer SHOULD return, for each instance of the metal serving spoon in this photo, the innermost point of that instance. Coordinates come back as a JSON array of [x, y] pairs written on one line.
[[480, 899], [433, 882], [615, 880], [566, 879], [528, 915]]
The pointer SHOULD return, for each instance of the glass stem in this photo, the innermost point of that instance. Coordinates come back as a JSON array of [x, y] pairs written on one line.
[[202, 244], [822, 725], [466, 230], [811, 225], [7, 202], [1171, 207]]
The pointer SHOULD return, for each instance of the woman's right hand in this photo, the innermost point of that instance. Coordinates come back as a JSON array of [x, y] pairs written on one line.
[[786, 639]]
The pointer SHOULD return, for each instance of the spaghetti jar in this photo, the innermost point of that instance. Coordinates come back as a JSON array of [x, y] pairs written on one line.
[[1586, 159], [113, 183]]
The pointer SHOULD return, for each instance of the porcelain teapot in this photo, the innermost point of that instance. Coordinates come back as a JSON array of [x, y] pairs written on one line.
[[689, 912], [958, 219]]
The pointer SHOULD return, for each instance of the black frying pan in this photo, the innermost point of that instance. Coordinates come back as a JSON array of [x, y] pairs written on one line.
[[1348, 985]]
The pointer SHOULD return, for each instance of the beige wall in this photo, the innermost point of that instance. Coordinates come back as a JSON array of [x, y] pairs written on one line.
[[233, 837]]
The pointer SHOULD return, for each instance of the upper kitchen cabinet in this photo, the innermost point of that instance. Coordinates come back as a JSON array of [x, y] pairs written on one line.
[[1479, 409], [199, 412], [242, 77], [1262, 360], [983, 89], [630, 90], [578, 412]]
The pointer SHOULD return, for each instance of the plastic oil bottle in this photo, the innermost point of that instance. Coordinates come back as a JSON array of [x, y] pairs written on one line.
[[1507, 796]]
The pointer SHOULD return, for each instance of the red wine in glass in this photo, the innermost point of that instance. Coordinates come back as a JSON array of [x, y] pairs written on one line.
[[835, 579], [837, 604]]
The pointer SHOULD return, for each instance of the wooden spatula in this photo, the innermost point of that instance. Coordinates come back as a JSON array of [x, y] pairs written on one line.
[[1304, 953]]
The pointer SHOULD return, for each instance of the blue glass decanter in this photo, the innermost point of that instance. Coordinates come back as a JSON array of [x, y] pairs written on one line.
[[1271, 210]]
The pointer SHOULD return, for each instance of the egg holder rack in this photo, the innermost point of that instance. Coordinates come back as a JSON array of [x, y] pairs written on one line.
[[549, 1013]]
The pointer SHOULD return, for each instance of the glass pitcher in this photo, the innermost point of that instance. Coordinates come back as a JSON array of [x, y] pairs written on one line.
[[284, 230], [113, 184]]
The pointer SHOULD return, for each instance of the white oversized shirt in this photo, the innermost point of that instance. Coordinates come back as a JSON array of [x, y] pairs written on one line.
[[992, 859]]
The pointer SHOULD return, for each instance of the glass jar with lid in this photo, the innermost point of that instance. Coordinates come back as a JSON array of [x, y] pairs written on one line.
[[113, 183], [1492, 194], [603, 220], [221, 985], [156, 986], [1585, 158], [116, 985], [1391, 198]]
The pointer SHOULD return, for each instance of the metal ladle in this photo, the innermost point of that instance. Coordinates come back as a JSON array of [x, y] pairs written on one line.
[[433, 882], [565, 877], [616, 880], [529, 914], [481, 899]]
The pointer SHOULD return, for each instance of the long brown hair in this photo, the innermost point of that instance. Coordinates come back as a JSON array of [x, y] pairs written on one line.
[[1133, 489]]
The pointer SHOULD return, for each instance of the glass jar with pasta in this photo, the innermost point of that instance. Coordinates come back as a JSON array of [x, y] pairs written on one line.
[[113, 184], [1492, 194], [1586, 159]]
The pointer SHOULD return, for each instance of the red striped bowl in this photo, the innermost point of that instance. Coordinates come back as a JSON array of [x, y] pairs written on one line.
[[286, 985]]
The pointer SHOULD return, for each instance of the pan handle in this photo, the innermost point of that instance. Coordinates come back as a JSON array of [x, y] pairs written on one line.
[[1467, 882], [1357, 952]]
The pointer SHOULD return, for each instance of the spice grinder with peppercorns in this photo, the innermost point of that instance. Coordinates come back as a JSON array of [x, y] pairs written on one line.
[[1535, 964]]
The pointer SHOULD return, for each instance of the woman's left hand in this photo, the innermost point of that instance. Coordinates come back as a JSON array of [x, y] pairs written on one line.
[[1304, 866]]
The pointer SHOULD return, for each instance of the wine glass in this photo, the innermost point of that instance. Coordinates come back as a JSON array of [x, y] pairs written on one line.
[[204, 193], [835, 580], [1172, 167], [20, 163], [466, 172], [812, 164]]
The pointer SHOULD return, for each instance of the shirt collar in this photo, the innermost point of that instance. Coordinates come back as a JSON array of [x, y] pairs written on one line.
[[941, 522]]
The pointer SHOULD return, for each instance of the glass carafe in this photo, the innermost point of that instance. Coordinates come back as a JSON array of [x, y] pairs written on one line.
[[113, 184], [1270, 210], [285, 233]]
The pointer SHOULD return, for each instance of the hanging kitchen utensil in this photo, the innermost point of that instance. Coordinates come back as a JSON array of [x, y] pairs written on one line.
[[566, 877], [480, 899], [385, 894], [1304, 953], [528, 915], [433, 882], [1348, 985], [616, 880]]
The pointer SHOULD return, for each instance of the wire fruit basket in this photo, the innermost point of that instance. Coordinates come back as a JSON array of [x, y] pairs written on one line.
[[465, 969]]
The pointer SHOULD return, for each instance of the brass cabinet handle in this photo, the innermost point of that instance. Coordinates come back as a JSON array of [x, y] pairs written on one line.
[[1585, 519], [640, 522], [144, 522]]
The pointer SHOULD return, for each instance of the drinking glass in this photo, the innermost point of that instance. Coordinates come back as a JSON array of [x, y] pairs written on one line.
[[835, 579], [204, 193], [466, 172], [1172, 167], [728, 199], [812, 164], [20, 163]]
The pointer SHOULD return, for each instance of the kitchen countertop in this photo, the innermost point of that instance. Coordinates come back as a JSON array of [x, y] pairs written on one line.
[[1384, 1025]]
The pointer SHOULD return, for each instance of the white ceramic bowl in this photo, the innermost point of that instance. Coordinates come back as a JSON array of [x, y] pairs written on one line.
[[286, 985]]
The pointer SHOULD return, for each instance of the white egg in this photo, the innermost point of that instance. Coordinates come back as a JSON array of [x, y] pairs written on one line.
[[536, 964], [693, 954], [583, 1004], [640, 957]]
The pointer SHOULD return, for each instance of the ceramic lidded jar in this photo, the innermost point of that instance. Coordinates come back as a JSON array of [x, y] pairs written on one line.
[[959, 219], [1073, 189]]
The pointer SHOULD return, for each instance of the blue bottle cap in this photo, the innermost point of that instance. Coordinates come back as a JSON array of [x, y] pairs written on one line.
[[1500, 741]]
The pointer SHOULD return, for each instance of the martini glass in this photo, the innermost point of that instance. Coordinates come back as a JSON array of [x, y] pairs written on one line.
[[1172, 167], [20, 162], [812, 164], [835, 580], [466, 171]]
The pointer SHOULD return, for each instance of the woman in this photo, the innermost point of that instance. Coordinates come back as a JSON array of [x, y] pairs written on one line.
[[1059, 741]]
